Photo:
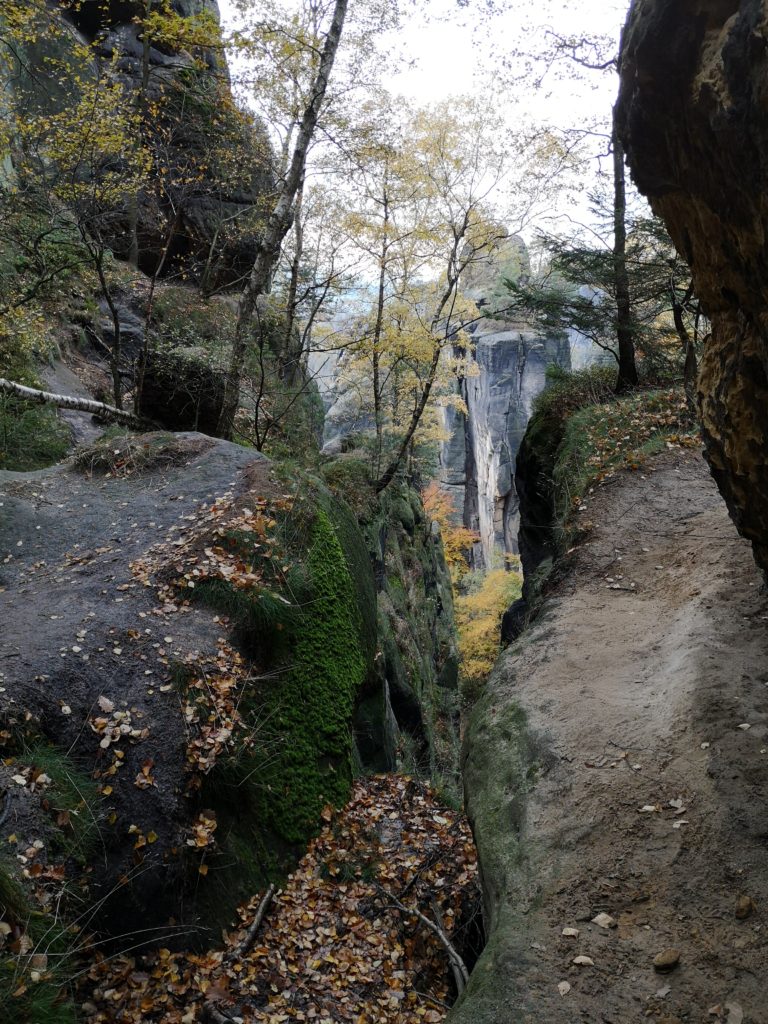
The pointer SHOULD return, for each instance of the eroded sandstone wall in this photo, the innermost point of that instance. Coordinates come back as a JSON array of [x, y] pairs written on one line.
[[692, 114]]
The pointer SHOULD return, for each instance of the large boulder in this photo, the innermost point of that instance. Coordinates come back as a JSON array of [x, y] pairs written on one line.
[[186, 632], [692, 115]]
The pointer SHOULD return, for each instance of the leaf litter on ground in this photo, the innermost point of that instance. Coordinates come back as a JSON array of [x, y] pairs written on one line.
[[334, 945]]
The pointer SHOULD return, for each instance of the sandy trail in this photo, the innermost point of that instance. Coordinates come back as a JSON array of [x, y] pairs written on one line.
[[638, 683]]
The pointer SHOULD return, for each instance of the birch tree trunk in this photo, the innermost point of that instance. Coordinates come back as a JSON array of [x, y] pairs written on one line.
[[279, 223], [10, 387]]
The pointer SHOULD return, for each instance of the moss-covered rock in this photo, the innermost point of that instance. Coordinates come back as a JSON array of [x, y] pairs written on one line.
[[497, 763], [313, 632], [313, 702], [407, 715]]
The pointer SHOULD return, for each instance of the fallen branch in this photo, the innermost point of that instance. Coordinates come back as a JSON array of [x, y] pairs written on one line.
[[250, 936], [10, 387], [212, 1016], [460, 972], [459, 968]]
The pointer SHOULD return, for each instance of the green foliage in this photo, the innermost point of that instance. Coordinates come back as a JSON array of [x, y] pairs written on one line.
[[31, 437], [578, 290], [566, 391], [313, 703], [349, 477], [72, 799], [182, 318], [53, 949]]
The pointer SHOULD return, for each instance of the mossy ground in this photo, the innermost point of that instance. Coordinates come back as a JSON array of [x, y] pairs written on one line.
[[40, 959], [581, 434], [601, 439]]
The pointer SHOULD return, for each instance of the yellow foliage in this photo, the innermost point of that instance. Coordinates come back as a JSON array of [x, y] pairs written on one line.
[[478, 617], [457, 540]]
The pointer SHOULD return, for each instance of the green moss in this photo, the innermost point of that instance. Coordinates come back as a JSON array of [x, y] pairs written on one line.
[[23, 1001], [312, 628], [72, 793], [312, 704]]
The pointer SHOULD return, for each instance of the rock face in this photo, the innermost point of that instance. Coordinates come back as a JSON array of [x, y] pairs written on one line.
[[92, 553], [214, 162], [692, 114], [477, 463], [407, 716]]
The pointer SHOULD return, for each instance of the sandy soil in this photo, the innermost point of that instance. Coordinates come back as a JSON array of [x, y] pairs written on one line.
[[647, 681]]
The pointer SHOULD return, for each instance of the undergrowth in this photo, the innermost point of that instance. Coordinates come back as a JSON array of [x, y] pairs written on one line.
[[621, 434], [478, 612], [31, 436], [38, 948]]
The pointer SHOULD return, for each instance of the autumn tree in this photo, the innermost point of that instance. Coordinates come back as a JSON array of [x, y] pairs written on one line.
[[279, 221]]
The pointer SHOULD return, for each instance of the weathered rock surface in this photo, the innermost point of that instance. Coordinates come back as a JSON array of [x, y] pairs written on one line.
[[692, 114], [88, 633], [407, 717]]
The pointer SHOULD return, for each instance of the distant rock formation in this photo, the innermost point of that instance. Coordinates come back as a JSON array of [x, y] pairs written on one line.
[[692, 118], [509, 364], [477, 463]]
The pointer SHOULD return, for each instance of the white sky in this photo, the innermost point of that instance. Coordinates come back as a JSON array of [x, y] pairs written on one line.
[[459, 49], [455, 50]]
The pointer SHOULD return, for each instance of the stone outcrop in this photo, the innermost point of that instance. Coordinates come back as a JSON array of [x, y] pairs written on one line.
[[213, 161], [89, 550], [407, 715], [692, 114], [477, 463]]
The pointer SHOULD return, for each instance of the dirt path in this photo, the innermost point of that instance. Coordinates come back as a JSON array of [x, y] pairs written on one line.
[[645, 687]]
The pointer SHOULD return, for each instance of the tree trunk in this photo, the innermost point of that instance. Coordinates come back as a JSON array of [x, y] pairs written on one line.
[[116, 349], [624, 329], [10, 387], [691, 370], [289, 357], [377, 331], [278, 224]]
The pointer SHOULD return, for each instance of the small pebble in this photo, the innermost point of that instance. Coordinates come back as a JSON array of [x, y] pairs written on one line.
[[744, 907], [667, 959]]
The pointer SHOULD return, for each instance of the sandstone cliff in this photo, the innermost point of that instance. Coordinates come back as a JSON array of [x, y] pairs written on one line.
[[692, 116]]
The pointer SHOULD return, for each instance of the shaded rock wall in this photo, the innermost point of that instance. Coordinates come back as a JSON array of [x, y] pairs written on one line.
[[407, 712], [692, 114], [207, 214]]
